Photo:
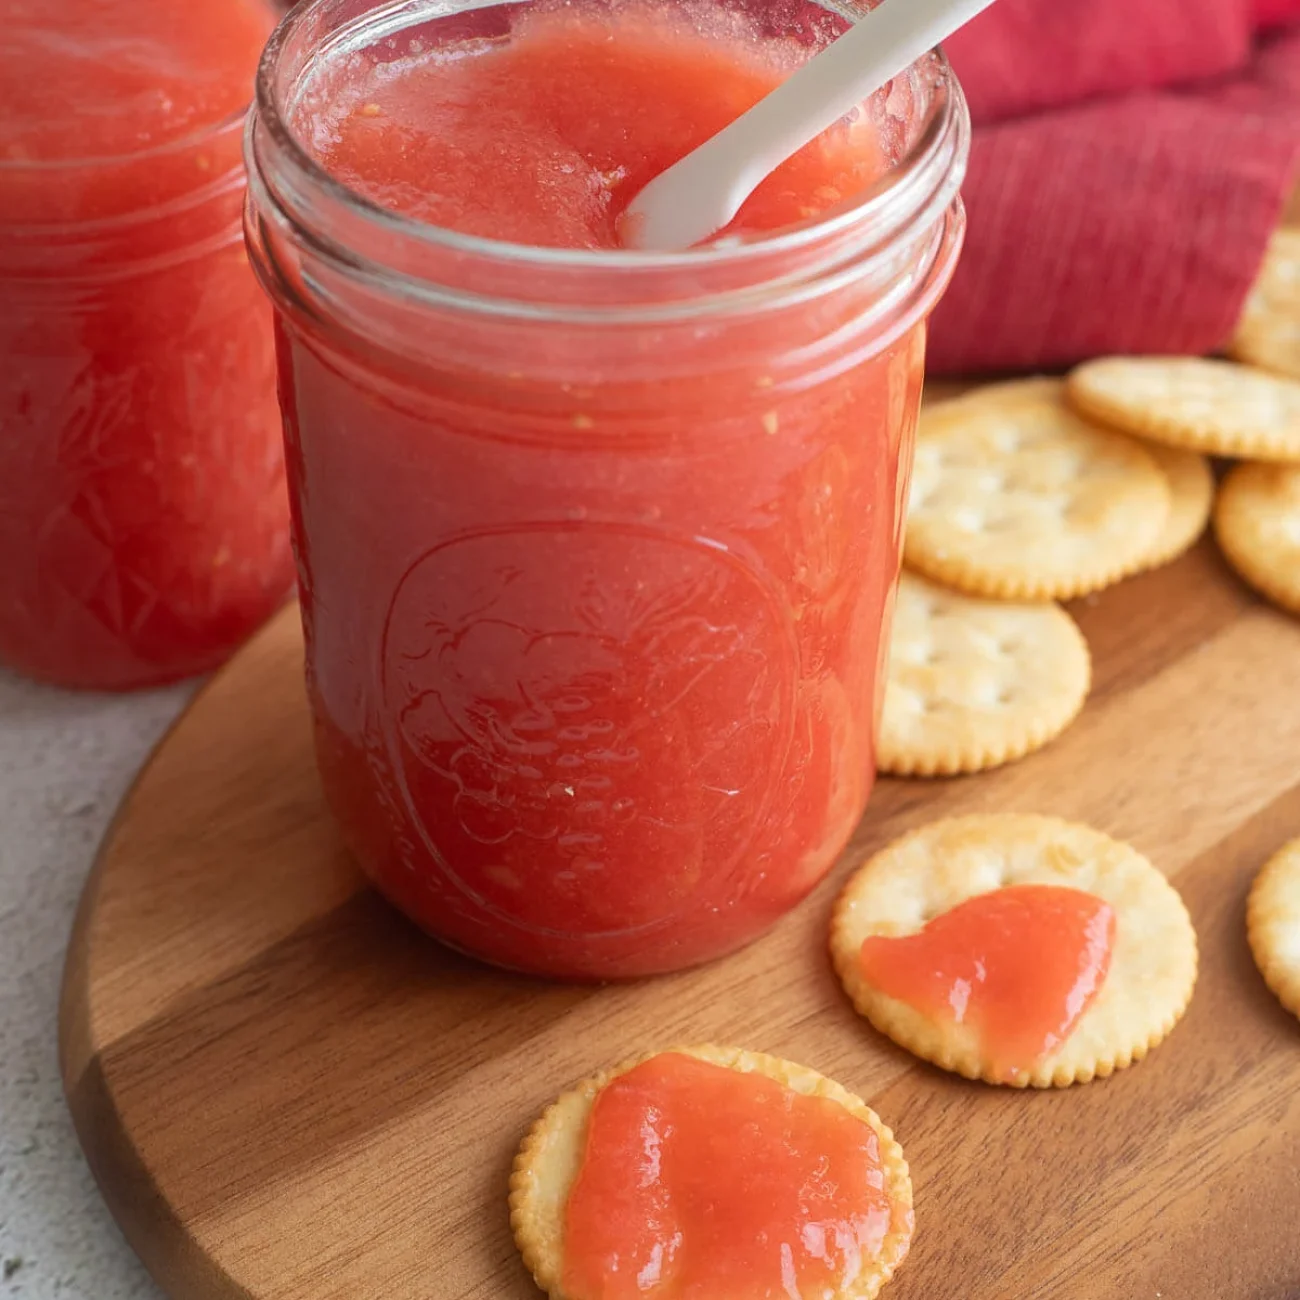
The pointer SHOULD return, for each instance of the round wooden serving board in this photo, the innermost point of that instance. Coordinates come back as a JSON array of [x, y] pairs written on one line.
[[287, 1093]]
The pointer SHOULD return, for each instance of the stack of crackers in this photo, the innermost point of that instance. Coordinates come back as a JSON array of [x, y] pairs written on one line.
[[1037, 491]]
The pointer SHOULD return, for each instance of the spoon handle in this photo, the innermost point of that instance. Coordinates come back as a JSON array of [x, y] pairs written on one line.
[[700, 194]]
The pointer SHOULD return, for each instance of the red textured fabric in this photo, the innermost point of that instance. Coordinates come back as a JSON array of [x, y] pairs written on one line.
[[1130, 160], [1273, 13], [1022, 56]]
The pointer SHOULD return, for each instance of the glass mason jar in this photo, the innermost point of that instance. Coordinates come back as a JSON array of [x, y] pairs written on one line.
[[144, 529], [596, 550]]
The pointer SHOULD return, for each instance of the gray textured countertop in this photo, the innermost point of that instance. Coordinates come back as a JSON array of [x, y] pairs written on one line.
[[65, 761]]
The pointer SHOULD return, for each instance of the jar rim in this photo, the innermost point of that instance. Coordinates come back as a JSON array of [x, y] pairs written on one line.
[[731, 252], [233, 121]]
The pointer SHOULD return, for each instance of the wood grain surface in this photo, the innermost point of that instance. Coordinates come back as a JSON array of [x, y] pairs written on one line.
[[287, 1093]]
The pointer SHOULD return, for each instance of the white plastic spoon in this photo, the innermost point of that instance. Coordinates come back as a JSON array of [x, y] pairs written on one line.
[[700, 194]]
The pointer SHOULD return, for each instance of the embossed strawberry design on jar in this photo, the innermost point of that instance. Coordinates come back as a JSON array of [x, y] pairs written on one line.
[[542, 684]]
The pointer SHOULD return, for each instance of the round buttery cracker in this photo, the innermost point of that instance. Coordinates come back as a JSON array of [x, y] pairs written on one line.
[[1027, 387], [1016, 497], [1273, 924], [1191, 496], [1197, 403], [933, 869], [551, 1153], [1257, 523], [1268, 332], [975, 683]]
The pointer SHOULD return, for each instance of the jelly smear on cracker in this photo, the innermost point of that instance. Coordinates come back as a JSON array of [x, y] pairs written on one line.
[[1020, 965], [700, 1182]]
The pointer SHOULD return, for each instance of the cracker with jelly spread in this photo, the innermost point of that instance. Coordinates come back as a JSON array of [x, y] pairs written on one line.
[[1257, 523], [1268, 331], [1273, 924], [1021, 950], [975, 683], [1191, 497], [1197, 403], [1016, 497], [554, 1153]]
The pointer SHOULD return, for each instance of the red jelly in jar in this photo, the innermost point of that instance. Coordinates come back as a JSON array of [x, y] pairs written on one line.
[[143, 519], [597, 548]]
